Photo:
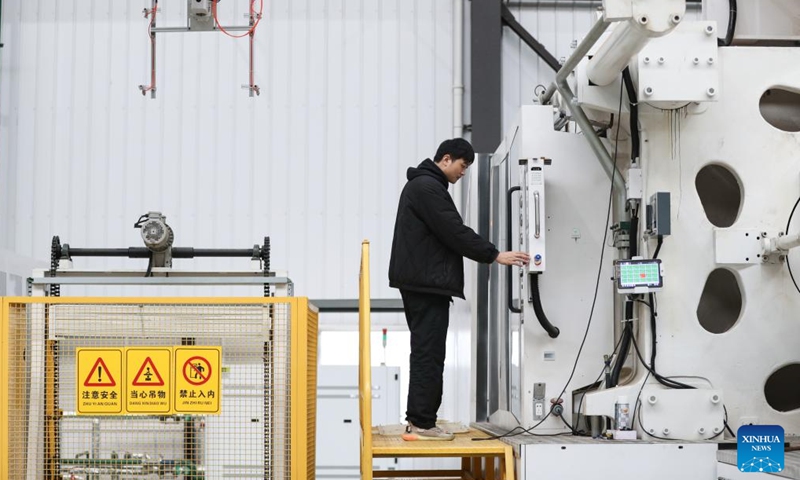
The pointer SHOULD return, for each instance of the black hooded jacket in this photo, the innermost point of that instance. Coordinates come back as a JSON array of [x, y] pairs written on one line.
[[430, 238]]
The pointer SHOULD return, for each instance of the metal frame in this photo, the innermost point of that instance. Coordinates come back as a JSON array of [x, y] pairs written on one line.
[[41, 279], [486, 84], [153, 10], [300, 311], [693, 4], [525, 36], [484, 165], [171, 277]]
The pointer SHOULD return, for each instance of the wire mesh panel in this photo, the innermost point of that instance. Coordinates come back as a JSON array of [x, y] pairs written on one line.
[[62, 363]]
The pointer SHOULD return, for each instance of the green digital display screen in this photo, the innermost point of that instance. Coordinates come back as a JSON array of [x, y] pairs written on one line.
[[639, 273]]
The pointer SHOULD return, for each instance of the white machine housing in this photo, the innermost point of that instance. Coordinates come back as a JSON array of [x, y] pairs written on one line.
[[698, 115]]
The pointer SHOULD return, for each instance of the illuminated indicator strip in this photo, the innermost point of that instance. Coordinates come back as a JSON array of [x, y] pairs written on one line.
[[633, 275]]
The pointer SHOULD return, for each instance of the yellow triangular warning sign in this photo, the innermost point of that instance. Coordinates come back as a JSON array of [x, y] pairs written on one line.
[[148, 375], [99, 376]]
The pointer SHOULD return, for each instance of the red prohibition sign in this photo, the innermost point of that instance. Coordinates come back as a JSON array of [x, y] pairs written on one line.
[[198, 373]]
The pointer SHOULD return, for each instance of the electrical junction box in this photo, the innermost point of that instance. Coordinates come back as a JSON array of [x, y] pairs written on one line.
[[634, 184], [658, 214]]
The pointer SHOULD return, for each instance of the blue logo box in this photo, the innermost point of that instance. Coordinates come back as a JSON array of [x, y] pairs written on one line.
[[759, 448]]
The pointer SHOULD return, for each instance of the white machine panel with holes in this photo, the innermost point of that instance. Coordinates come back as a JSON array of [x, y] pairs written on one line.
[[701, 413]]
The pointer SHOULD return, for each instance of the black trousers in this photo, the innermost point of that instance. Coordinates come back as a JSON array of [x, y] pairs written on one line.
[[427, 316]]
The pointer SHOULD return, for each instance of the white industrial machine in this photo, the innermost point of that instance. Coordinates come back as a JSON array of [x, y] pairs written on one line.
[[659, 306]]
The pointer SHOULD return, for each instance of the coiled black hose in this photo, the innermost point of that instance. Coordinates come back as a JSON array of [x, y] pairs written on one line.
[[551, 330]]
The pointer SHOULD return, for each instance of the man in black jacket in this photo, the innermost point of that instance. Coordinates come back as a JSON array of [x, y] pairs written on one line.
[[430, 241]]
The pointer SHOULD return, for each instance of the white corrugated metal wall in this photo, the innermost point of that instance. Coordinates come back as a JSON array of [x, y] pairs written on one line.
[[353, 92]]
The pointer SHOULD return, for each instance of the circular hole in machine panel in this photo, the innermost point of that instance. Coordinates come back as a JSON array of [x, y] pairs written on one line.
[[720, 193], [721, 302], [781, 390], [781, 109]]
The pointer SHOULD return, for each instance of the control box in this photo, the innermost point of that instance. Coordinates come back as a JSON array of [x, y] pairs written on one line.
[[658, 211], [534, 208]]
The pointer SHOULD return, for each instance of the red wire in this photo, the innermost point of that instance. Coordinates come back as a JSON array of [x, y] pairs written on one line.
[[252, 29]]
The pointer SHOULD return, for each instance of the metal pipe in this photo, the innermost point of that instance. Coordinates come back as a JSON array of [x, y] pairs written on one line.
[[458, 69], [608, 164], [177, 252], [123, 462], [253, 88], [133, 252], [98, 462], [189, 252], [627, 40], [529, 40], [690, 4], [458, 88], [588, 42], [95, 443], [785, 243], [187, 29]]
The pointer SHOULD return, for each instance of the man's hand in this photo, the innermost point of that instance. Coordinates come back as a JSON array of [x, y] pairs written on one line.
[[513, 258]]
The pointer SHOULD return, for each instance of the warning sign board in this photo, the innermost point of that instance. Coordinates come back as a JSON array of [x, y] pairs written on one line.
[[148, 372], [197, 380], [99, 378]]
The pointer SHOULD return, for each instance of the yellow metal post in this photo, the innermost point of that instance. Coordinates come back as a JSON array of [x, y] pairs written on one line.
[[299, 319], [365, 364], [4, 361], [51, 412]]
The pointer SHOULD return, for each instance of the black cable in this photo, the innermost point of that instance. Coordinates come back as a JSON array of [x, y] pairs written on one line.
[[149, 272], [658, 246], [548, 327], [574, 432], [726, 42], [728, 428], [638, 396], [666, 381], [627, 335], [602, 371], [654, 340], [596, 290], [634, 114], [634, 235], [786, 232], [638, 300]]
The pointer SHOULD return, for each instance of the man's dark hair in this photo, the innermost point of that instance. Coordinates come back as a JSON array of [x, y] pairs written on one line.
[[456, 148]]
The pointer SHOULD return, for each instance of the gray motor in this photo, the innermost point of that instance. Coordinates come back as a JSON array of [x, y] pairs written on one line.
[[158, 238]]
